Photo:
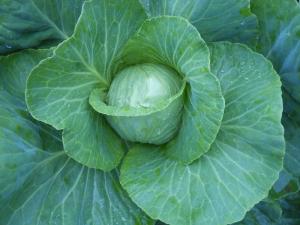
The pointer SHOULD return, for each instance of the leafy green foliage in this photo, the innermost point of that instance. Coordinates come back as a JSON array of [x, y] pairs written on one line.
[[149, 112], [225, 179], [58, 95], [238, 23], [157, 41], [39, 183], [280, 39], [30, 23]]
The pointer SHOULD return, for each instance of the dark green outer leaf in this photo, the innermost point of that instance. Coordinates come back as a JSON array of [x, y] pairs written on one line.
[[216, 20], [291, 208], [269, 212], [264, 213], [289, 181], [279, 39], [27, 23], [14, 70], [60, 191], [40, 187], [280, 42]]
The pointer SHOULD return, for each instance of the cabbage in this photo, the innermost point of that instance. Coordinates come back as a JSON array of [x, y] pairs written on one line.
[[136, 111], [146, 86]]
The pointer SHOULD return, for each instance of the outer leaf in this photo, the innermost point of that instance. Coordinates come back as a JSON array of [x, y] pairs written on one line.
[[216, 20], [282, 212], [291, 208], [159, 223], [61, 191], [242, 164], [39, 187], [19, 145], [269, 213], [175, 42], [291, 122], [58, 90], [264, 213], [28, 23], [14, 70], [280, 39], [289, 181]]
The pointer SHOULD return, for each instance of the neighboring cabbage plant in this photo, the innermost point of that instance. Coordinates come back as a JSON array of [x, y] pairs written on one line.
[[161, 118]]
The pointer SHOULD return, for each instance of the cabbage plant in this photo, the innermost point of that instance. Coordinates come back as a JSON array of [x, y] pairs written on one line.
[[146, 110]]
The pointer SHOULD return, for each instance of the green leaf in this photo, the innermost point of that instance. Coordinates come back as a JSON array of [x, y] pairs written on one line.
[[173, 41], [59, 88], [19, 144], [291, 83], [291, 207], [241, 165], [282, 212], [291, 107], [27, 24], [97, 101], [14, 73], [264, 213], [279, 39], [159, 223], [61, 191], [292, 137], [15, 68], [50, 188], [216, 20], [289, 181], [44, 187]]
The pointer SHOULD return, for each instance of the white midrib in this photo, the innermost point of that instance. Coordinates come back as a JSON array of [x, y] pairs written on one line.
[[50, 22]]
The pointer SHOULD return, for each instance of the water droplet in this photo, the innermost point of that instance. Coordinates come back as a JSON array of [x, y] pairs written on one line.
[[158, 132], [145, 104]]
